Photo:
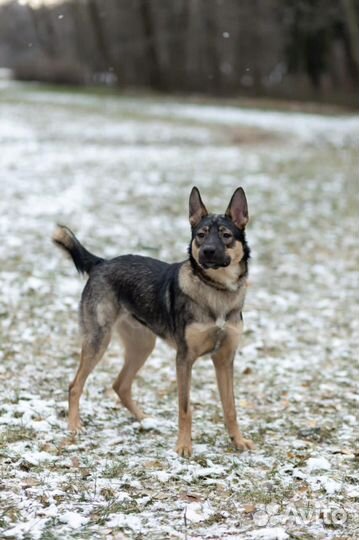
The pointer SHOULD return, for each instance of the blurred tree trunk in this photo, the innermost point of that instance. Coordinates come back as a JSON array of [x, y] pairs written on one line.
[[100, 38], [212, 61], [44, 30], [155, 75], [351, 18]]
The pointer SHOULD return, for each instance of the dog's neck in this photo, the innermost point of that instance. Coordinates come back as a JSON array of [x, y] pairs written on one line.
[[223, 279]]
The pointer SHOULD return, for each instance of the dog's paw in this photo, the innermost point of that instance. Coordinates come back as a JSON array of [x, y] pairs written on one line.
[[75, 427], [140, 416], [242, 444], [184, 450]]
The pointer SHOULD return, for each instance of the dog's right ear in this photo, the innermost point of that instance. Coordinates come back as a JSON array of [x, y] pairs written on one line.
[[197, 210]]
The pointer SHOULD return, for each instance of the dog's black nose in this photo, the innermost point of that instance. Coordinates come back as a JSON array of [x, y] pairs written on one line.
[[209, 251]]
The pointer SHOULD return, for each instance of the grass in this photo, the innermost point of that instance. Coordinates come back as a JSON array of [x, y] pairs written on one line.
[[295, 375], [261, 103]]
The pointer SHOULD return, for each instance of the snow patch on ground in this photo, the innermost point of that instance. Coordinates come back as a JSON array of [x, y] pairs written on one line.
[[119, 172]]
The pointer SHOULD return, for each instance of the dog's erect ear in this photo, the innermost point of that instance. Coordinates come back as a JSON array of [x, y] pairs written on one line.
[[237, 209], [197, 210]]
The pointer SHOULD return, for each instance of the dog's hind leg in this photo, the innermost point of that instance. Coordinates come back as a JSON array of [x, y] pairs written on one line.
[[93, 349], [138, 342]]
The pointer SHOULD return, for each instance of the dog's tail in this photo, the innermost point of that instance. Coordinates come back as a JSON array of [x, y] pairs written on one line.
[[65, 239]]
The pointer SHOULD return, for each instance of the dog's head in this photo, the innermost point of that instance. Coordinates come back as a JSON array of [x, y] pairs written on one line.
[[218, 240]]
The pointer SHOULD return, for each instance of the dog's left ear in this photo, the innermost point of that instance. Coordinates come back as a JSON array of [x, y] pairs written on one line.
[[237, 209], [197, 210]]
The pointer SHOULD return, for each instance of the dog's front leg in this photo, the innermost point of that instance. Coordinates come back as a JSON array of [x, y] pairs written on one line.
[[184, 372], [224, 362]]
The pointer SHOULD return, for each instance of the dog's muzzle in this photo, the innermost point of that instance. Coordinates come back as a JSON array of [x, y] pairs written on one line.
[[214, 263]]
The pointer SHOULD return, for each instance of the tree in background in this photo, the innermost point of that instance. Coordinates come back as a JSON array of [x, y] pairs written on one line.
[[287, 48]]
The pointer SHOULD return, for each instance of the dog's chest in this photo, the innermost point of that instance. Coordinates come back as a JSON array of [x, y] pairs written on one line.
[[208, 337]]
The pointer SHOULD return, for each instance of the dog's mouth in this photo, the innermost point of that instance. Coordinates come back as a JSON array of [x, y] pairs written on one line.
[[214, 265]]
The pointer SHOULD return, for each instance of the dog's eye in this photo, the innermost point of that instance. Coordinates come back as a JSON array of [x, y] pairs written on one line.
[[227, 235], [200, 235]]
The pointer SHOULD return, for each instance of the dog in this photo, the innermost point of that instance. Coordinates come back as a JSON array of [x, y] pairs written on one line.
[[195, 306]]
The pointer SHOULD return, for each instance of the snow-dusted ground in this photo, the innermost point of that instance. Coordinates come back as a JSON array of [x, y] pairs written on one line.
[[119, 171]]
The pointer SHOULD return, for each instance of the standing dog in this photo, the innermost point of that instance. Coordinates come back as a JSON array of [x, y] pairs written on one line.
[[195, 306]]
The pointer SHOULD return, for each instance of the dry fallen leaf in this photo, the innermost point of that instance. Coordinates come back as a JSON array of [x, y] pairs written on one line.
[[190, 496], [49, 448], [153, 464], [85, 472], [249, 508], [75, 462], [30, 482], [345, 451], [107, 493], [68, 441], [285, 403]]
